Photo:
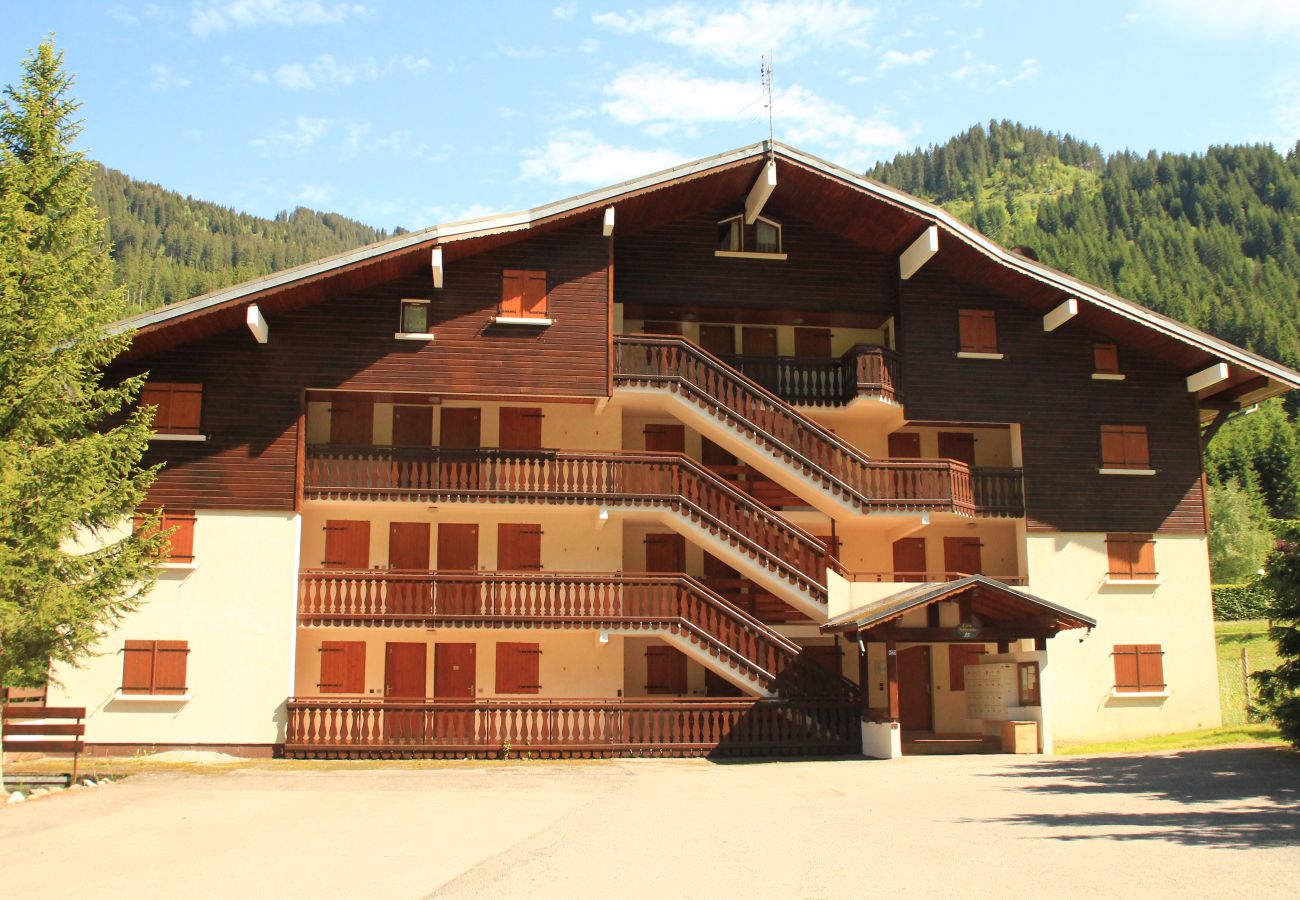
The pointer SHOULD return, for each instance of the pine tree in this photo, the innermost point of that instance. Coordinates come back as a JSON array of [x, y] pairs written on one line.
[[1279, 688], [67, 479]]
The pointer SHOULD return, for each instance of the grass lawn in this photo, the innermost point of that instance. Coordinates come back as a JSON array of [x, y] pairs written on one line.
[[1185, 740], [1231, 638]]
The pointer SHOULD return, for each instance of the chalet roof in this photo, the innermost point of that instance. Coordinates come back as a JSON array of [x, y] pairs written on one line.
[[989, 598], [1253, 376]]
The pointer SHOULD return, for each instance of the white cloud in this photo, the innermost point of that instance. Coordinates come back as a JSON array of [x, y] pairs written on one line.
[[981, 75], [565, 11], [121, 14], [401, 142], [218, 18], [1229, 18], [327, 72], [740, 35], [295, 141], [579, 157], [892, 59], [589, 45], [162, 78], [314, 194]]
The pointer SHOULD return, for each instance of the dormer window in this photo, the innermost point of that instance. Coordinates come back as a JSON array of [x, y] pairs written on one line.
[[730, 233], [762, 240], [767, 236]]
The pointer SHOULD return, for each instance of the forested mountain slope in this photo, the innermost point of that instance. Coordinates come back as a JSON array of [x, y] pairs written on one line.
[[168, 247]]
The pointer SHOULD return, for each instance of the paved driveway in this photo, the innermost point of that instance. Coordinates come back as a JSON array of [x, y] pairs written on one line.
[[1202, 823]]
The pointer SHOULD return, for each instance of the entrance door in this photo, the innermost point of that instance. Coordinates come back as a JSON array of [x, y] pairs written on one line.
[[519, 548], [812, 343], [665, 670], [905, 445], [521, 428], [915, 710], [962, 554], [957, 445], [717, 686], [909, 559], [665, 438], [408, 552], [347, 544], [404, 680], [457, 553], [454, 678], [758, 341], [352, 419], [460, 429], [665, 553], [412, 426], [720, 340]]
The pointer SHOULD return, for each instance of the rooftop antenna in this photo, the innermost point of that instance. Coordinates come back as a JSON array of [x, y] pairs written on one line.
[[766, 71]]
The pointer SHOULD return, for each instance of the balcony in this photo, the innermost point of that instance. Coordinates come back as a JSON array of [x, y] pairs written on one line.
[[998, 493], [863, 371]]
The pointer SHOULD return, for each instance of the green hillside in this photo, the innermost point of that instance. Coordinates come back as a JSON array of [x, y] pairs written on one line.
[[169, 247]]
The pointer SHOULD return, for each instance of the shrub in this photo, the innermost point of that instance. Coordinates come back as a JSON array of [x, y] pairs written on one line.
[[1233, 602]]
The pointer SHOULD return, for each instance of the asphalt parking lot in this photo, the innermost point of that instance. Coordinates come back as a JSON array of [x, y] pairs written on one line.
[[1199, 823]]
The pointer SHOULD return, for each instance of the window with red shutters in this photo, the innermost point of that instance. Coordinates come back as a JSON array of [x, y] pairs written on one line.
[[1139, 669], [1105, 359], [178, 408], [181, 542], [518, 668], [342, 667], [977, 331], [1124, 447], [154, 667], [1131, 557], [523, 294]]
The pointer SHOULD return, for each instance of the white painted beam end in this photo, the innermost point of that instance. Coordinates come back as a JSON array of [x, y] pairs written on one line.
[[435, 260], [759, 193], [608, 227], [919, 253], [1207, 378], [257, 324], [1062, 314]]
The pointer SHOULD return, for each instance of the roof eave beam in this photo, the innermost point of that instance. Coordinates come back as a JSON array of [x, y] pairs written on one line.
[[1062, 314], [608, 228], [919, 253], [257, 324], [435, 261], [1207, 378], [759, 193]]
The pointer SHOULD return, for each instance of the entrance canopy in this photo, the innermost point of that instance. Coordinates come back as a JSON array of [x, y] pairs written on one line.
[[988, 611]]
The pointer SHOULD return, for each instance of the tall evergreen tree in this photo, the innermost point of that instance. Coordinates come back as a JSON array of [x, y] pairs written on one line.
[[1279, 688], [67, 479]]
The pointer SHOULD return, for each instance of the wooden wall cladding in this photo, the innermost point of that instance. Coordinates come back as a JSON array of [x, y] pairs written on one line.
[[252, 392], [674, 264], [1045, 384]]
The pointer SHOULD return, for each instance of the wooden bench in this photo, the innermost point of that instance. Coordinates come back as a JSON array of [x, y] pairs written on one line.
[[43, 729]]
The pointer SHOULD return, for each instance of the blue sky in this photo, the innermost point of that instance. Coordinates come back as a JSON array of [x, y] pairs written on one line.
[[405, 113]]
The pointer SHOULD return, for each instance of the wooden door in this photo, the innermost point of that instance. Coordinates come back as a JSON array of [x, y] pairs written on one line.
[[814, 343], [454, 678], [665, 438], [915, 708], [352, 419], [665, 553], [412, 426], [408, 552], [457, 552], [957, 445], [828, 656], [668, 328], [347, 544], [405, 671], [461, 429], [717, 686], [665, 669], [909, 559], [722, 579], [720, 340], [962, 555], [521, 428], [904, 445], [758, 341], [519, 548]]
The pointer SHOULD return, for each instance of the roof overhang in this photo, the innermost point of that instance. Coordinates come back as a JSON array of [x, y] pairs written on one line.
[[997, 606]]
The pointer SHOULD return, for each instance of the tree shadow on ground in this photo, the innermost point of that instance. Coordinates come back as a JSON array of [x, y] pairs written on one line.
[[1235, 798]]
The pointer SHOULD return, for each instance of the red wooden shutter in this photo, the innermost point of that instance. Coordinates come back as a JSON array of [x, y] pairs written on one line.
[[1135, 447], [137, 667], [977, 331], [1131, 556], [1150, 667], [1126, 668], [159, 396], [342, 667], [1105, 359], [1119, 558], [186, 408], [512, 292], [959, 657], [1144, 556], [169, 667], [518, 668], [1112, 446], [535, 295], [182, 539]]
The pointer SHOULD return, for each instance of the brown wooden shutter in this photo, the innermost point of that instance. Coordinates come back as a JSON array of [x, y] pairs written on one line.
[[1135, 447], [1119, 559], [186, 408], [159, 396], [512, 292], [1150, 667], [182, 539], [904, 445], [1144, 557], [519, 547], [1130, 556], [1112, 446], [535, 298], [1105, 359], [520, 428], [342, 667], [137, 667], [347, 544], [169, 667], [518, 668], [959, 657], [1126, 668], [977, 331]]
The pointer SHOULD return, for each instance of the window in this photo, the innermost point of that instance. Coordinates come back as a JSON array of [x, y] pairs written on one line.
[[729, 235], [1105, 359], [523, 294], [177, 407], [1027, 679], [1131, 557], [1139, 669], [154, 667], [414, 319], [518, 668], [977, 331], [342, 667], [1124, 447], [767, 236], [959, 657], [762, 239], [180, 550]]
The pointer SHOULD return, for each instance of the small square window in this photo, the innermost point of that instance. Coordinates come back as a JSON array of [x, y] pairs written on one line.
[[729, 235], [1131, 557], [415, 317], [977, 331], [767, 237], [1124, 447], [1105, 359]]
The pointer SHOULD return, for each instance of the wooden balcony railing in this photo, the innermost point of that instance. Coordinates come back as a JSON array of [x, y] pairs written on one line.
[[561, 728], [617, 479], [863, 371], [898, 485], [676, 603], [998, 492], [929, 577]]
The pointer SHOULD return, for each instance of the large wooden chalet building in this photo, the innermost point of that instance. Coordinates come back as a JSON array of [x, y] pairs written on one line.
[[753, 456]]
